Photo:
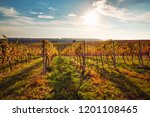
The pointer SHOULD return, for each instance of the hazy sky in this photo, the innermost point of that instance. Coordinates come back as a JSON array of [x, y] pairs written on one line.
[[104, 19]]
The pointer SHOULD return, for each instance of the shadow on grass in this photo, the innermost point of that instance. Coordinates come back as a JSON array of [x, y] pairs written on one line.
[[2, 68], [135, 67], [127, 87], [7, 82]]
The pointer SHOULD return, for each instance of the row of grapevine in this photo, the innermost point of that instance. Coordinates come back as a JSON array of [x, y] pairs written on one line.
[[11, 53], [106, 51]]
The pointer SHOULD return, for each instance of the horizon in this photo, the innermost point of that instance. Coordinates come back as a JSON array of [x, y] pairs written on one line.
[[66, 38], [88, 19]]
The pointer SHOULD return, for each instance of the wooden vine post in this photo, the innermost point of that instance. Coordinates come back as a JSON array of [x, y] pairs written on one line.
[[140, 54], [44, 56], [114, 53], [84, 63]]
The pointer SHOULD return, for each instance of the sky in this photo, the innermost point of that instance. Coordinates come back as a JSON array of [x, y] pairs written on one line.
[[97, 19]]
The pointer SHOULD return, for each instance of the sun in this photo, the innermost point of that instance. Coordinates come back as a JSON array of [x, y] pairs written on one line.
[[91, 18]]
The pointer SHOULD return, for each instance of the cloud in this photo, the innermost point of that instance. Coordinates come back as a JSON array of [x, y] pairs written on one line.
[[45, 16], [105, 9], [53, 9], [9, 12], [72, 15], [14, 16], [36, 13], [145, 17], [120, 0], [102, 7]]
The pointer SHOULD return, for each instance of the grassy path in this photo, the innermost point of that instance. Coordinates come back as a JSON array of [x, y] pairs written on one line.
[[64, 79]]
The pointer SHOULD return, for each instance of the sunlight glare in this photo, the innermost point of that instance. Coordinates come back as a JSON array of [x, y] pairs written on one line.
[[91, 18]]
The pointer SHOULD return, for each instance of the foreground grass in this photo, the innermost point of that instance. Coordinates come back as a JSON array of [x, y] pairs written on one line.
[[24, 82], [64, 81]]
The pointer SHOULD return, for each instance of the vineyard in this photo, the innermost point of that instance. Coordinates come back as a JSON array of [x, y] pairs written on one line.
[[78, 70]]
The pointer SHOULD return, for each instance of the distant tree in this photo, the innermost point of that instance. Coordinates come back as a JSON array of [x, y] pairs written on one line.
[[74, 41]]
